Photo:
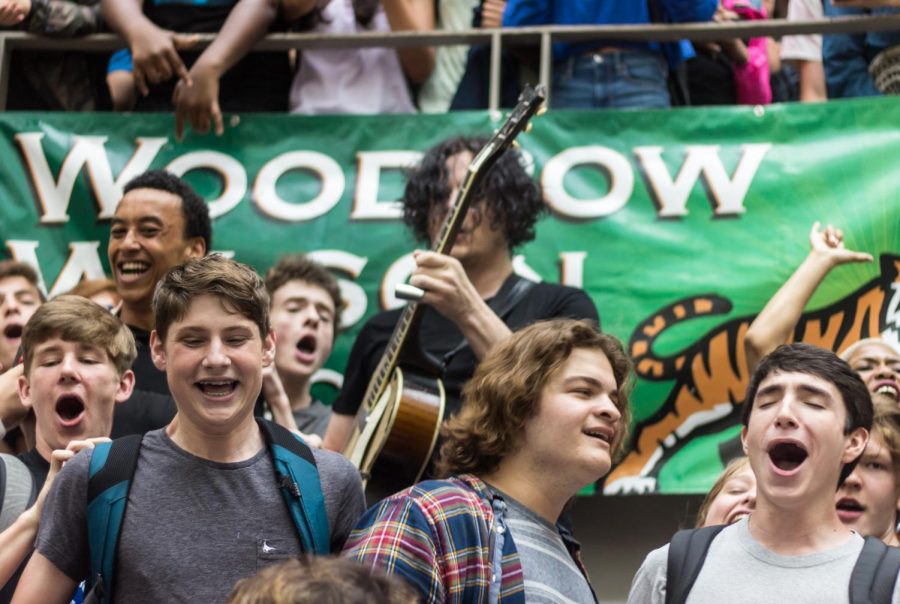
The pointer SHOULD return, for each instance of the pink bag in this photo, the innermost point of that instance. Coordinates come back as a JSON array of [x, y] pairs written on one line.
[[752, 79]]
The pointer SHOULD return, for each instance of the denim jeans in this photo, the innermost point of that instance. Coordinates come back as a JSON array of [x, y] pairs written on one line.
[[628, 79]]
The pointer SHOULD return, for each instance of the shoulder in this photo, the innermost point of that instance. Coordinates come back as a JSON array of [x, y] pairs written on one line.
[[649, 583], [334, 466], [551, 300]]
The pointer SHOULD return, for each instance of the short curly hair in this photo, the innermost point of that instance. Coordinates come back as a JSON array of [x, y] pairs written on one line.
[[298, 267], [514, 199], [505, 392], [194, 209]]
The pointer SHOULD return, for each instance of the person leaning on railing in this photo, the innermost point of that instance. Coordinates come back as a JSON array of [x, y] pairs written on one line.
[[58, 80], [604, 73]]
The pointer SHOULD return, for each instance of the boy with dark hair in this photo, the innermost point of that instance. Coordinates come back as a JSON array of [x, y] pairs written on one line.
[[543, 416], [806, 417], [159, 223], [306, 315], [77, 367], [214, 495]]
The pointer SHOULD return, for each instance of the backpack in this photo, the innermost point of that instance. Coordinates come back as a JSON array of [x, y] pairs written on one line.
[[18, 490], [872, 580], [112, 468]]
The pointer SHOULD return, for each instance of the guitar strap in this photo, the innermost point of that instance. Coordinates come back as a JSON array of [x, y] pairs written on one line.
[[501, 306]]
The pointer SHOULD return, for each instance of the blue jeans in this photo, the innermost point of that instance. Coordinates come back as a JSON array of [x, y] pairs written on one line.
[[628, 79]]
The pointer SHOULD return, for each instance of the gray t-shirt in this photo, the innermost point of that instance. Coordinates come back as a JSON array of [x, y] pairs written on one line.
[[550, 574], [192, 527], [739, 569], [313, 419]]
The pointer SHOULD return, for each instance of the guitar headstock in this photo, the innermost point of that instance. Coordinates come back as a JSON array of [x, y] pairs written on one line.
[[530, 102]]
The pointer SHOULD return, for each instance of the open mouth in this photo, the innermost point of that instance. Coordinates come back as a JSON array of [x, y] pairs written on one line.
[[306, 349], [69, 409], [849, 508], [133, 268], [604, 434], [13, 330], [888, 388], [217, 388], [787, 456]]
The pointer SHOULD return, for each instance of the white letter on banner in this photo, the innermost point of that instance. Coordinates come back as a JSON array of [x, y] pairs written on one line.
[[728, 194], [355, 302], [90, 152], [366, 205], [229, 170], [616, 167], [328, 171], [572, 268], [83, 261]]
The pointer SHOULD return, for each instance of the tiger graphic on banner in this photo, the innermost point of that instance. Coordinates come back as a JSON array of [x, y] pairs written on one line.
[[711, 374]]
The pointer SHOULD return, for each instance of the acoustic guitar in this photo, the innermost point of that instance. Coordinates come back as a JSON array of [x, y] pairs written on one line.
[[400, 416]]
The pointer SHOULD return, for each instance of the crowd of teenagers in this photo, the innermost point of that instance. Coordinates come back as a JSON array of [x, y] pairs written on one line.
[[163, 68], [225, 479]]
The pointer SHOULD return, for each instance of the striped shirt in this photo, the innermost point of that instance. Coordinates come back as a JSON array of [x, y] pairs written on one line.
[[449, 540]]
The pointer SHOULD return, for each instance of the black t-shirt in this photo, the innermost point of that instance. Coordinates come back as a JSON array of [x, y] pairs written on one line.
[[441, 339], [150, 405], [260, 81]]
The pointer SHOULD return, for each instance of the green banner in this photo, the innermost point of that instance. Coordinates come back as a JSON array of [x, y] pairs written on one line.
[[679, 224]]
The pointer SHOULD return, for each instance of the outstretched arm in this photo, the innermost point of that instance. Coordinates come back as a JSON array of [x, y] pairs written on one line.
[[774, 325], [154, 50], [196, 98]]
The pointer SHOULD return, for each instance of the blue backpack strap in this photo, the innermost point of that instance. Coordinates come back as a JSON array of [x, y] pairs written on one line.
[[874, 574], [298, 477], [112, 468], [687, 552]]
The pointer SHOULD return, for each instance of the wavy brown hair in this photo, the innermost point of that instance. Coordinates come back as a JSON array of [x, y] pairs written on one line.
[[506, 390]]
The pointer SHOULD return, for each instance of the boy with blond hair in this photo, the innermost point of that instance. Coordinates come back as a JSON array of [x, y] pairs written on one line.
[[77, 367]]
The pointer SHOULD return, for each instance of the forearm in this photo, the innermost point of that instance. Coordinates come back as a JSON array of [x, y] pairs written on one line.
[[812, 82], [483, 329], [776, 322], [62, 18], [247, 23], [16, 542], [338, 433], [124, 16], [412, 15]]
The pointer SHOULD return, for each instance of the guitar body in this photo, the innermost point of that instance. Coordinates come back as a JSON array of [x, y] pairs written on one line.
[[404, 440]]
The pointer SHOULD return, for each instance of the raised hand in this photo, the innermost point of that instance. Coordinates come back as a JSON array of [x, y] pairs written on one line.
[[155, 55], [829, 244]]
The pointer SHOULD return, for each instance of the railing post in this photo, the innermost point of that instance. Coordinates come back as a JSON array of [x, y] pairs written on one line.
[[546, 67], [494, 86], [5, 52]]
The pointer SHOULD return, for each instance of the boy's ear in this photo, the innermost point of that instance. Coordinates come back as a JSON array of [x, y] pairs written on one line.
[[744, 439], [157, 351], [24, 391], [855, 444], [268, 348], [126, 386]]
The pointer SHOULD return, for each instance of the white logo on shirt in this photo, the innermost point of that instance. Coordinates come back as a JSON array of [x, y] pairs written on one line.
[[266, 548]]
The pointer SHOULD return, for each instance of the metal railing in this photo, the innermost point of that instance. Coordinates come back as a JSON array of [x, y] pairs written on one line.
[[543, 36]]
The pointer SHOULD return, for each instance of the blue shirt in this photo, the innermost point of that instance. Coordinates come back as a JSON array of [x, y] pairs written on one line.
[[846, 57], [520, 13]]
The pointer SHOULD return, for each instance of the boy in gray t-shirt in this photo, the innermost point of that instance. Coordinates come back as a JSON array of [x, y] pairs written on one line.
[[806, 417], [205, 508]]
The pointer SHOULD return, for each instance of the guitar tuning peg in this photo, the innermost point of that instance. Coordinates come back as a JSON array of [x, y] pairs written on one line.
[[542, 110], [528, 126], [516, 144]]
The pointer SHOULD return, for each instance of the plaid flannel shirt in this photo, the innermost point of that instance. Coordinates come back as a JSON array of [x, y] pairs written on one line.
[[444, 538]]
